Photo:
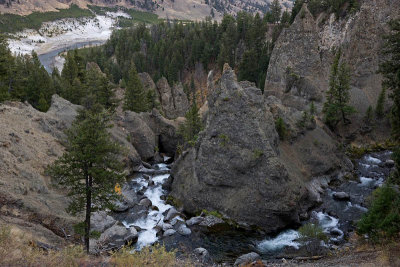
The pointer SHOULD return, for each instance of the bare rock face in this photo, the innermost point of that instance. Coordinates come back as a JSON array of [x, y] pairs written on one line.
[[148, 83], [300, 62], [139, 135], [164, 129], [174, 102], [241, 169]]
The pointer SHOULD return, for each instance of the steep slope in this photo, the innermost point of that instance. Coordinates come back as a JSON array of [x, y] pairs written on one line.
[[174, 9], [300, 62]]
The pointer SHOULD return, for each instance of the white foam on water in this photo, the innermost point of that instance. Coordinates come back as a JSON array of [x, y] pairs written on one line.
[[284, 239], [159, 179], [162, 166], [154, 194], [366, 181], [325, 221], [373, 160], [367, 166]]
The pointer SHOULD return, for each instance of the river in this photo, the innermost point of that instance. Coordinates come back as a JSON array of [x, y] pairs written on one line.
[[337, 217], [52, 59]]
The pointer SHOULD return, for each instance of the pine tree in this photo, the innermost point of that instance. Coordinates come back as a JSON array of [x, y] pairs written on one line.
[[390, 70], [135, 95], [192, 126], [336, 107], [42, 103], [281, 128], [313, 109], [100, 87], [380, 104], [369, 115], [70, 70], [89, 168], [276, 10], [5, 64]]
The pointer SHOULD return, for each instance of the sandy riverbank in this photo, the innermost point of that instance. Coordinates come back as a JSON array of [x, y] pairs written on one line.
[[64, 33]]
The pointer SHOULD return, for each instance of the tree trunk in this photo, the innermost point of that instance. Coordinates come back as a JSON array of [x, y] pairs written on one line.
[[88, 210]]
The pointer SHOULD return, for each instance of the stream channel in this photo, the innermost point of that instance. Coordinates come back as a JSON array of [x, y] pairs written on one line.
[[158, 221]]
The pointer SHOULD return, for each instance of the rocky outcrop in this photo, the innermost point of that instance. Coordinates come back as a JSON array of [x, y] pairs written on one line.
[[241, 169], [165, 131], [300, 62], [139, 134], [173, 100]]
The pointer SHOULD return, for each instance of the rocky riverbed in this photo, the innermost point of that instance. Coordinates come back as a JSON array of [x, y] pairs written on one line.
[[145, 210]]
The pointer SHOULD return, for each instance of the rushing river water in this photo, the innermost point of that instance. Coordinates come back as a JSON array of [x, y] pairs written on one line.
[[335, 216], [49, 61]]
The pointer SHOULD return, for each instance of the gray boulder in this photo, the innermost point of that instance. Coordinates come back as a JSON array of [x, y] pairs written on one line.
[[194, 221], [169, 232], [114, 237], [171, 213], [202, 254], [146, 202], [184, 230], [100, 221], [246, 259]]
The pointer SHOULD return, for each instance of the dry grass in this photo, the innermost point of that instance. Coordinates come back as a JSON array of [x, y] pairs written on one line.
[[149, 256], [15, 250]]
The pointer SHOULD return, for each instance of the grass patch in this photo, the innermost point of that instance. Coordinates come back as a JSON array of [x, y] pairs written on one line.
[[224, 140], [137, 16], [356, 152], [149, 256], [213, 213], [173, 201], [11, 23]]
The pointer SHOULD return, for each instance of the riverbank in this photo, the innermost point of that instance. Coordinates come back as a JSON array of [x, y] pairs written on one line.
[[65, 34]]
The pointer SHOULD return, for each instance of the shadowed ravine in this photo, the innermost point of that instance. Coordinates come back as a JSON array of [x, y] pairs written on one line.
[[336, 215]]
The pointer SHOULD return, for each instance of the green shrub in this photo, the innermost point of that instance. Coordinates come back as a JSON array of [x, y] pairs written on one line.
[[281, 128], [382, 221], [310, 232], [310, 236]]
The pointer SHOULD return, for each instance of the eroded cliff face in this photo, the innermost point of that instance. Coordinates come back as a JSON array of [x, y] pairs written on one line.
[[300, 63], [241, 169]]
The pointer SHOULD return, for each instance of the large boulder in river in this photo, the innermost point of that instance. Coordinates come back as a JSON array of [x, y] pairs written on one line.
[[173, 100], [241, 169]]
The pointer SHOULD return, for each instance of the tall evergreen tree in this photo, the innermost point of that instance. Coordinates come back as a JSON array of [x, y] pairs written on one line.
[[135, 95], [336, 107], [192, 126], [380, 104], [276, 11], [5, 65], [89, 168], [391, 74]]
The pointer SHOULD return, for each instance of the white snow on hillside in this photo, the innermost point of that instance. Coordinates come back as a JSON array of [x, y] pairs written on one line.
[[65, 32]]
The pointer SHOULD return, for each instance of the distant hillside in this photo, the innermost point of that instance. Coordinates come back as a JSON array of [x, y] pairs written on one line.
[[179, 9]]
